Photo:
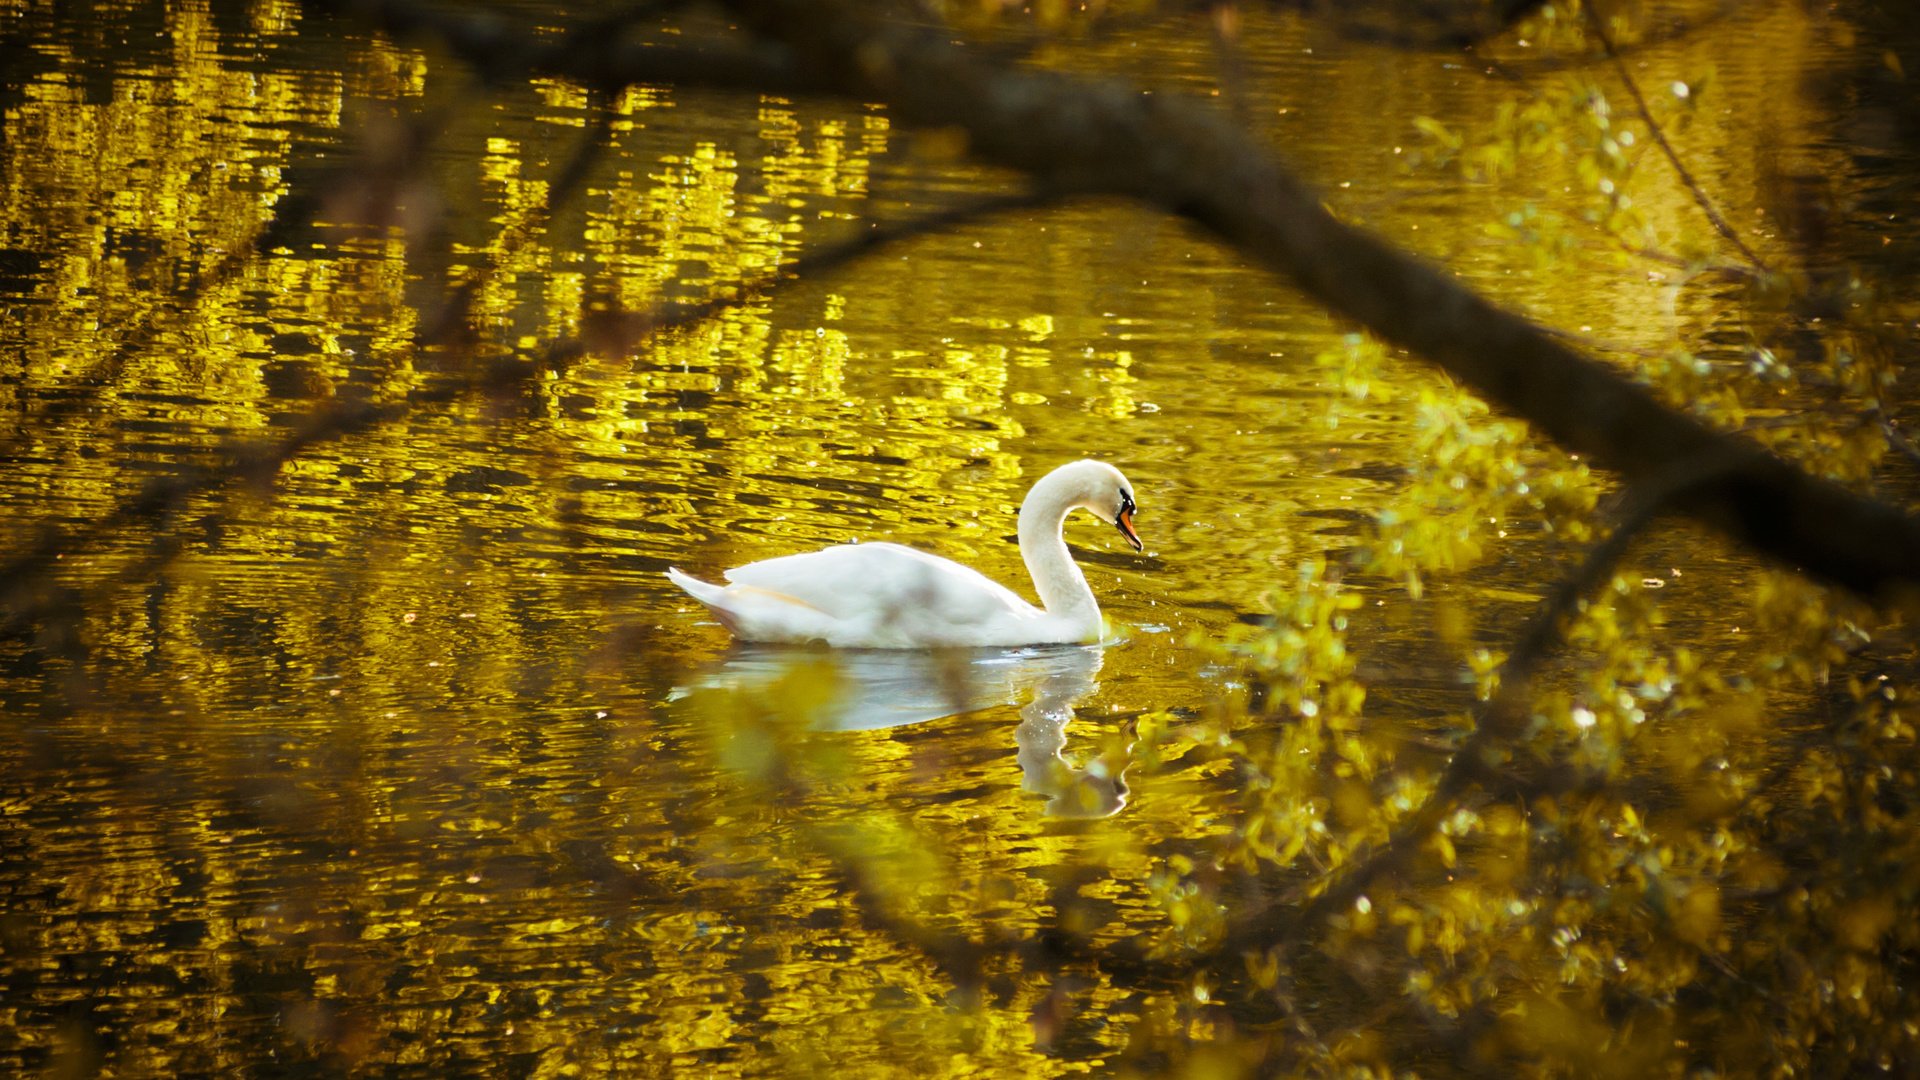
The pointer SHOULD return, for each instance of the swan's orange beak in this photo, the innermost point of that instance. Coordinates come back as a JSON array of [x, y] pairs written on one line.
[[1124, 522]]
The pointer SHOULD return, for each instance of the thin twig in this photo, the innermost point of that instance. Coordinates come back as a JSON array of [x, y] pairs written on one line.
[[1501, 720], [260, 464], [292, 214], [1730, 270], [606, 332], [1895, 437], [618, 332], [1700, 196]]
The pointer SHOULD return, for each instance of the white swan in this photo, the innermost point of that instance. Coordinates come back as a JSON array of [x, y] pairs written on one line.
[[885, 596]]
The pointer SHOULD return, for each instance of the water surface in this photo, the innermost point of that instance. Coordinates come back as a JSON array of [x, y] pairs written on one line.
[[410, 760]]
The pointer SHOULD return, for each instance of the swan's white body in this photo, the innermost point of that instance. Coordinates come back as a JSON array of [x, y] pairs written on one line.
[[885, 596]]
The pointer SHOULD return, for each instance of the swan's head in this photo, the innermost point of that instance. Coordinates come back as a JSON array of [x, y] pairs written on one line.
[[1106, 493]]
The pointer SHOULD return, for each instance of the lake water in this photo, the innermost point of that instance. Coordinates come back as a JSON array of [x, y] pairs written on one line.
[[410, 760]]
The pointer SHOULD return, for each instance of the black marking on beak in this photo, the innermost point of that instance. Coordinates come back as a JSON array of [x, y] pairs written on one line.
[[1124, 522]]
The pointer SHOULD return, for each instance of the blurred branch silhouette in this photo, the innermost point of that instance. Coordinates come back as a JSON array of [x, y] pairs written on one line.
[[24, 597], [1065, 136], [1069, 136], [1503, 718], [1077, 136], [26, 594]]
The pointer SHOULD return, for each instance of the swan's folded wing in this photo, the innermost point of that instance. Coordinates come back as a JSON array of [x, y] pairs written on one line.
[[854, 581]]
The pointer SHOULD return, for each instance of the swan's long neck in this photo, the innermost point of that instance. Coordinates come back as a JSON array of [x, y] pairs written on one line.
[[1062, 587]]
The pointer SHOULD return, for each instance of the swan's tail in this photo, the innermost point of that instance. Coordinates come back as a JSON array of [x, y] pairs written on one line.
[[694, 587], [755, 614], [713, 596]]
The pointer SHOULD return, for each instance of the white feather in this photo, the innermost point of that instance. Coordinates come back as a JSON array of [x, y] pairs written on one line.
[[892, 597]]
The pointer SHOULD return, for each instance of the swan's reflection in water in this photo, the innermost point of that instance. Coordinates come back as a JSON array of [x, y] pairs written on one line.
[[1094, 790], [885, 688]]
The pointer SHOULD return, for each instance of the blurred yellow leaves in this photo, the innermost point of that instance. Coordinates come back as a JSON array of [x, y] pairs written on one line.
[[1862, 924]]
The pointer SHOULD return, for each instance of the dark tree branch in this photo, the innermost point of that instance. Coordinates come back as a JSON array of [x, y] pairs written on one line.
[[24, 594], [1500, 721], [1075, 135], [366, 193], [599, 53]]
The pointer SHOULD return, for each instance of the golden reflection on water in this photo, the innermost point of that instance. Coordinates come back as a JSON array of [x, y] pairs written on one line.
[[382, 769]]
